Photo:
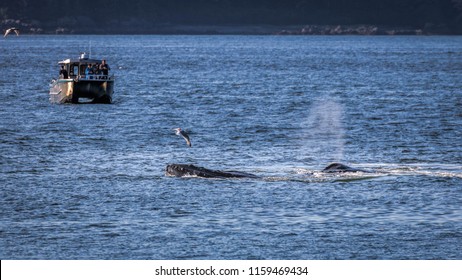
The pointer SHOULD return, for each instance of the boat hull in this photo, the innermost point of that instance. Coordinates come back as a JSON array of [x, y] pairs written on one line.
[[70, 91], [61, 91]]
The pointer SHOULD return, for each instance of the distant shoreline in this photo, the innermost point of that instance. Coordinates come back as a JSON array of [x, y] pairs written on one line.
[[243, 17], [171, 29]]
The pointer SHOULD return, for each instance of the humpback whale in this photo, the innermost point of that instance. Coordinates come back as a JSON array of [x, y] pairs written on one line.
[[181, 170], [340, 168]]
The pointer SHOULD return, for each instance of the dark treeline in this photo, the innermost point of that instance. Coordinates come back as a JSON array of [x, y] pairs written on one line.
[[145, 15]]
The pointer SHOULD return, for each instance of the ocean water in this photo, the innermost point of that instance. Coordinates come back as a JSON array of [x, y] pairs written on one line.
[[87, 181]]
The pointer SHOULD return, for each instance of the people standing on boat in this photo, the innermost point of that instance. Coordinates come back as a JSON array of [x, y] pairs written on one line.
[[63, 73], [104, 67], [96, 69], [89, 70]]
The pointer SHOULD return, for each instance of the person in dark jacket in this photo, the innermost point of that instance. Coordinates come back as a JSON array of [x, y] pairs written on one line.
[[104, 67], [63, 73]]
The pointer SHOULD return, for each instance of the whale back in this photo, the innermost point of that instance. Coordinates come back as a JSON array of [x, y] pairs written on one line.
[[339, 167], [189, 170]]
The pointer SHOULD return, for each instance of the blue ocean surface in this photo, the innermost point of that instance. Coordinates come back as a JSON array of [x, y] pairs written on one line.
[[87, 181]]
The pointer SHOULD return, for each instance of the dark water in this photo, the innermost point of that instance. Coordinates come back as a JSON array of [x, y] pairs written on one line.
[[87, 181]]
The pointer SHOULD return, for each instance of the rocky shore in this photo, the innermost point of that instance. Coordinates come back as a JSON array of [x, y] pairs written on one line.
[[142, 27], [429, 29], [24, 27]]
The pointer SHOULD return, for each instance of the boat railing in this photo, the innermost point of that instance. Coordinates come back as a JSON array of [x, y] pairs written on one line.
[[94, 77]]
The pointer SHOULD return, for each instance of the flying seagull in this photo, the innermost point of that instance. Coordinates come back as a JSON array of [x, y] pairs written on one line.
[[180, 132], [12, 29]]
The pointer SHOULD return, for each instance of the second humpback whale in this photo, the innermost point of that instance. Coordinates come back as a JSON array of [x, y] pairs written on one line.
[[340, 168]]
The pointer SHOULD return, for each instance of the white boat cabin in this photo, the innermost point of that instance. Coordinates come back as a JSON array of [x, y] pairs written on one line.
[[84, 69]]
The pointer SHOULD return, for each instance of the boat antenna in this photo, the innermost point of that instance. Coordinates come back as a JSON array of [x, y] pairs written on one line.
[[90, 49]]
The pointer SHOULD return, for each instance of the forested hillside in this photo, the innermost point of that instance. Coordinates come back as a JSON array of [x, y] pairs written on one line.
[[154, 16]]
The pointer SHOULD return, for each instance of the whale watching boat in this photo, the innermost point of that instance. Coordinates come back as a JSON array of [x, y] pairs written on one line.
[[82, 78]]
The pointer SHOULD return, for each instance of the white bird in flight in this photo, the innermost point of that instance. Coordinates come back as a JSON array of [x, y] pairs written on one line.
[[180, 132], [12, 29]]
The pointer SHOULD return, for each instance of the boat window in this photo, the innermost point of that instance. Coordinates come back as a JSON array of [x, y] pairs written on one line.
[[73, 70]]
